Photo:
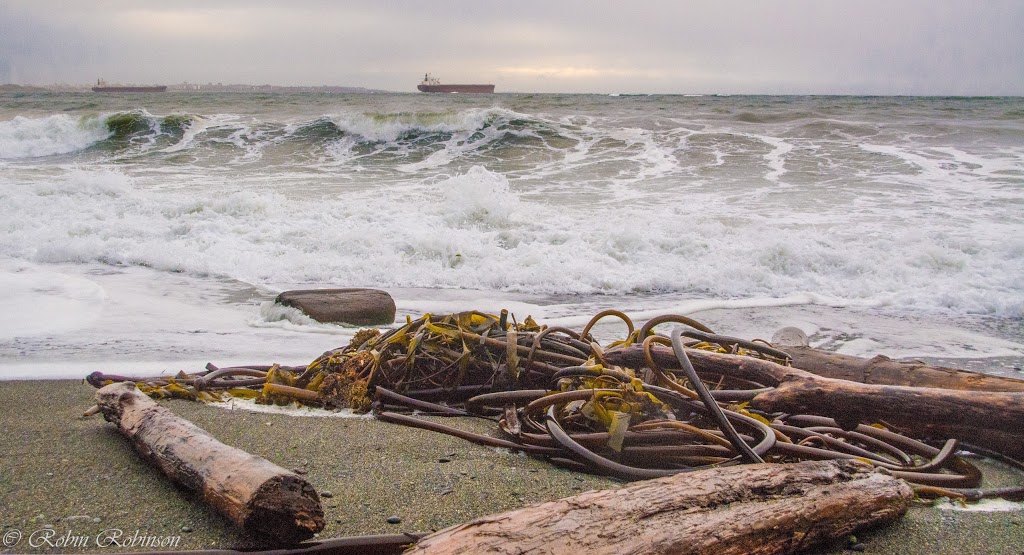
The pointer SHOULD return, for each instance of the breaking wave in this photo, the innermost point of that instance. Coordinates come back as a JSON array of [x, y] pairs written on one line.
[[24, 137], [140, 132], [726, 198], [476, 230]]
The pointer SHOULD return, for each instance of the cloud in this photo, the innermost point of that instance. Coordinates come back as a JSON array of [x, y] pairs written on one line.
[[179, 24], [570, 72], [780, 46]]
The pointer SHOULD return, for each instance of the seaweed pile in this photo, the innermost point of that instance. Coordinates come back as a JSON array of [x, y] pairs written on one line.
[[553, 394]]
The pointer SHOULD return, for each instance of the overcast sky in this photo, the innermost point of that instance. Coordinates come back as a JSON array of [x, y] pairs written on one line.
[[757, 46]]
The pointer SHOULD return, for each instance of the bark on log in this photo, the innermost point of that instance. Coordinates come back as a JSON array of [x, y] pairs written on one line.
[[755, 509], [883, 370], [986, 418], [251, 491]]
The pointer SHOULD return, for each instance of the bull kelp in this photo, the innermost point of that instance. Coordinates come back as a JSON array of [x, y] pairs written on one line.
[[553, 393]]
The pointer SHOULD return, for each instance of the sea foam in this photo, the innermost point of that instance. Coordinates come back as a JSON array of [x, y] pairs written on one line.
[[23, 137], [477, 230]]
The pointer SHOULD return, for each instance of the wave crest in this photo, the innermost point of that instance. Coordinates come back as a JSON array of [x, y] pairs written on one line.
[[24, 137]]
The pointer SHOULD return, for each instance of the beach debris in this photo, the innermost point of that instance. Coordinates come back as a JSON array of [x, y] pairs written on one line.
[[882, 370], [361, 307], [257, 495], [989, 419], [758, 508], [645, 406]]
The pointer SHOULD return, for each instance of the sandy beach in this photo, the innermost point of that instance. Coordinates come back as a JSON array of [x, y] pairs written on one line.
[[65, 479]]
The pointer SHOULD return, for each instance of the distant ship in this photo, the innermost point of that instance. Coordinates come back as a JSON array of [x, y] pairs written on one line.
[[102, 86], [433, 85]]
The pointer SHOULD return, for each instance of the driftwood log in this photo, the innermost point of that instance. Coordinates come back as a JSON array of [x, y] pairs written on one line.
[[883, 370], [986, 418], [754, 509], [251, 491]]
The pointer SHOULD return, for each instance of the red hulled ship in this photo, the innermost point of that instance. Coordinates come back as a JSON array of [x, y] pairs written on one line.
[[102, 86], [433, 85]]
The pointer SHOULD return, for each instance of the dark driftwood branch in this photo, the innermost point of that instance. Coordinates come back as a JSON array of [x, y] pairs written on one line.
[[754, 509], [883, 370], [989, 419], [252, 492]]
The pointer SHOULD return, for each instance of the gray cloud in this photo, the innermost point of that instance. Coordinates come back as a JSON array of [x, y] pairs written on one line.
[[801, 47]]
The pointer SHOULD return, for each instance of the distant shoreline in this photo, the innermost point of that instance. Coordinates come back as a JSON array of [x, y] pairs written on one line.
[[207, 87], [340, 89]]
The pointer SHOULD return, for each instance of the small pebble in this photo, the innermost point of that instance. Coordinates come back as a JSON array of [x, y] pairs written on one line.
[[394, 520], [97, 519], [186, 529], [857, 547], [299, 470], [326, 493]]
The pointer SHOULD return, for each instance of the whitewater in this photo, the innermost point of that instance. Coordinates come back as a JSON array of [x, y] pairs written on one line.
[[150, 233]]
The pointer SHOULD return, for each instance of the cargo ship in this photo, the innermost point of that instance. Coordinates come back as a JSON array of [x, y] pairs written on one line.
[[102, 86], [433, 85]]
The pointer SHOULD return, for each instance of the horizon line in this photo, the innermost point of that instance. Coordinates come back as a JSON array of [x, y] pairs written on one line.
[[370, 90]]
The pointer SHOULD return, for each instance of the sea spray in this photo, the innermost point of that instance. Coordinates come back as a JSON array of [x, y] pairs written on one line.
[[25, 137]]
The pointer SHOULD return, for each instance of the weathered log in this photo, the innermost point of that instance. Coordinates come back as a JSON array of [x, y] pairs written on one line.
[[883, 370], [251, 491], [986, 418], [754, 509]]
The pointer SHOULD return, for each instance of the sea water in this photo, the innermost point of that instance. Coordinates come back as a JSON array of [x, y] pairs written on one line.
[[149, 233]]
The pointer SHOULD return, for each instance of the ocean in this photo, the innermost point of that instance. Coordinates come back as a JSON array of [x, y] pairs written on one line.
[[149, 233]]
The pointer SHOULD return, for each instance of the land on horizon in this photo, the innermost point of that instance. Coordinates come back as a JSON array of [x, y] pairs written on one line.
[[343, 89], [198, 87]]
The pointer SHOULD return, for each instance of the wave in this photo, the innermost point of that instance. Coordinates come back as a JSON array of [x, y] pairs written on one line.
[[142, 133], [24, 137], [782, 116], [385, 127], [478, 230], [143, 130], [59, 134]]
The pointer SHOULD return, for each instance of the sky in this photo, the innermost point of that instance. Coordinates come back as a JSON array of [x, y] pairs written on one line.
[[916, 47]]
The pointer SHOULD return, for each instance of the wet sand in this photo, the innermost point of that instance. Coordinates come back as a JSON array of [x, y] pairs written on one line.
[[64, 478]]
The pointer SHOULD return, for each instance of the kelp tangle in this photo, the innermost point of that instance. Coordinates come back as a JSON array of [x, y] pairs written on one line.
[[553, 395]]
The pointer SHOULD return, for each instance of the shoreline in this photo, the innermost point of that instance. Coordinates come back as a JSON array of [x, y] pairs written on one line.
[[62, 471]]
